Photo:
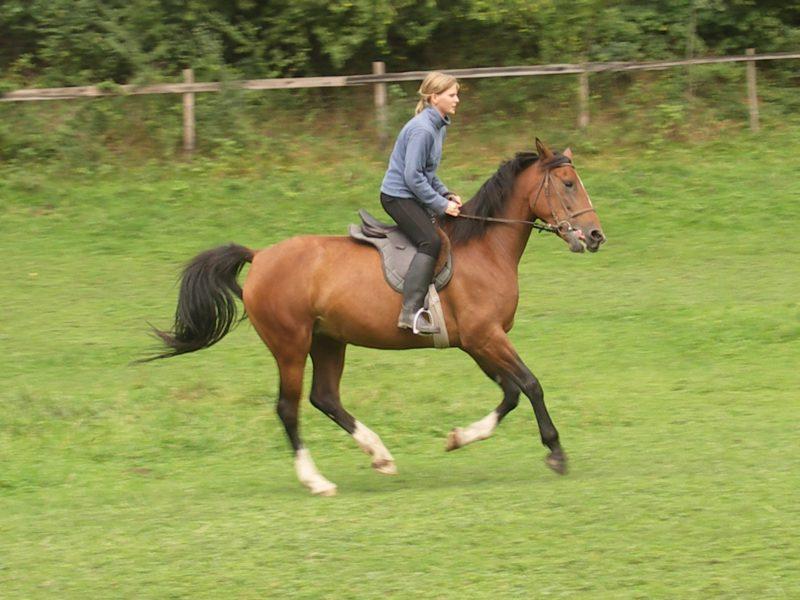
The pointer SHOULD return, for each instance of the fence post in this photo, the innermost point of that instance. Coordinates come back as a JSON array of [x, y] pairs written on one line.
[[188, 114], [690, 37], [379, 68], [583, 100], [752, 96]]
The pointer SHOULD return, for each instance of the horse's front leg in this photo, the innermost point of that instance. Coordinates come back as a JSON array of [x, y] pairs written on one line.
[[480, 430], [495, 352]]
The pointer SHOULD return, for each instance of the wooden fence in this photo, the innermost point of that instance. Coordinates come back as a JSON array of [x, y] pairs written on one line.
[[379, 78]]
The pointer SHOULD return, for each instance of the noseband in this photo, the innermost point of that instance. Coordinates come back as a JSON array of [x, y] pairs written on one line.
[[560, 225]]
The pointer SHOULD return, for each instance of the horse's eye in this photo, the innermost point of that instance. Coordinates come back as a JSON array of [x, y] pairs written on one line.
[[568, 183]]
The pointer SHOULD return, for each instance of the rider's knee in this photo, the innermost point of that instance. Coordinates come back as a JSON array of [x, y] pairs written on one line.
[[431, 246]]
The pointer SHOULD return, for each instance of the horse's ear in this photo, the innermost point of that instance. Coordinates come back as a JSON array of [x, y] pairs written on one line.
[[568, 153], [543, 150]]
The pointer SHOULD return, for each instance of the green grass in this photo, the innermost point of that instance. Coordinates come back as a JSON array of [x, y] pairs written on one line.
[[669, 362]]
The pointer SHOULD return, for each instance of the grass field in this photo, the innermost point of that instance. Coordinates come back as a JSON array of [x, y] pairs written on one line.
[[669, 362]]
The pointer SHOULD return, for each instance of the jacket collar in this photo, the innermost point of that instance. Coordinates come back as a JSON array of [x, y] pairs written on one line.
[[436, 118]]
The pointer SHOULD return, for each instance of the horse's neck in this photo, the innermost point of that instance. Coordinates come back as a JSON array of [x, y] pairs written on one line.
[[507, 242]]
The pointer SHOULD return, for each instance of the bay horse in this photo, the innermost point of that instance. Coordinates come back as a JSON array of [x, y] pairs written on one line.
[[314, 295]]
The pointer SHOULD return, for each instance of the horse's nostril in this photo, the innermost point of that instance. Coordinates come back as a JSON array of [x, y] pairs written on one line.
[[597, 235]]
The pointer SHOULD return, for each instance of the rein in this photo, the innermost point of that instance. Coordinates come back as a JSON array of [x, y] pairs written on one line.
[[534, 224], [557, 228]]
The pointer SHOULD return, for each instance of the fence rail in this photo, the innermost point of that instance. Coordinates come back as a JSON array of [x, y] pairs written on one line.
[[94, 91], [379, 78]]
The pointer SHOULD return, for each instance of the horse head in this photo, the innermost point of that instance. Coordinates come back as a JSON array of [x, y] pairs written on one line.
[[560, 199]]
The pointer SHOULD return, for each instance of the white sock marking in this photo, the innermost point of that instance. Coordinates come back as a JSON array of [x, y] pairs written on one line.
[[479, 430], [370, 443], [309, 476]]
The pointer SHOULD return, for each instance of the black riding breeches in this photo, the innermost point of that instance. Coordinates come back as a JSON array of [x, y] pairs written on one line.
[[415, 222]]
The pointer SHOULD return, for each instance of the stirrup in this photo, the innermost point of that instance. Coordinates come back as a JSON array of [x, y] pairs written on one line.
[[427, 313]]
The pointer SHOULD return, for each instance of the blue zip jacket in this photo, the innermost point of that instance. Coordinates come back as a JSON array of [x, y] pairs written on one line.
[[414, 159]]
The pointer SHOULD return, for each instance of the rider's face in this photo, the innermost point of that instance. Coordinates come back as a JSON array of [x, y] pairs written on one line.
[[447, 101]]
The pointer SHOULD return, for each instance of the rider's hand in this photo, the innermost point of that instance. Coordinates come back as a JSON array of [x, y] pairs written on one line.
[[455, 198], [453, 208]]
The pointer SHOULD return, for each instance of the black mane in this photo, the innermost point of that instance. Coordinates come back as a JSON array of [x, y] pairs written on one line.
[[489, 200]]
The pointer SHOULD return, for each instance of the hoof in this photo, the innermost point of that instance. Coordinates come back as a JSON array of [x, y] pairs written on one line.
[[453, 442], [324, 490], [557, 461], [387, 467]]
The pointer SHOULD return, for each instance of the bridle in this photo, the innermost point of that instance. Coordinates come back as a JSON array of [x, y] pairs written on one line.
[[558, 225]]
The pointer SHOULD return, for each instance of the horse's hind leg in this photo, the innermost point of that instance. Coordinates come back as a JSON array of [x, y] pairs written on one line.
[[480, 430], [327, 355], [291, 387]]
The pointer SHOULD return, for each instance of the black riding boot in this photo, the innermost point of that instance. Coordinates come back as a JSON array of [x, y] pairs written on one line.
[[415, 288]]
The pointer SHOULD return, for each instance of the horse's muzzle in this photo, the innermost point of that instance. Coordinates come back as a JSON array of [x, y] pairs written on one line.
[[574, 238], [594, 239], [579, 241]]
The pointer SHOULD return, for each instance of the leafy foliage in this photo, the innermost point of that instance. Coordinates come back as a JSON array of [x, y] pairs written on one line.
[[80, 41], [109, 42]]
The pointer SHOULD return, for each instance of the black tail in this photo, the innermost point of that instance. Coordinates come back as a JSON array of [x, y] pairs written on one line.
[[206, 304]]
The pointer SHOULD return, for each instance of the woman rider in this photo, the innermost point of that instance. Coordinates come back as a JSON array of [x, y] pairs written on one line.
[[412, 194]]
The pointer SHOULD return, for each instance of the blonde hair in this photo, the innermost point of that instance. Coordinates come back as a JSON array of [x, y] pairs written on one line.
[[435, 82]]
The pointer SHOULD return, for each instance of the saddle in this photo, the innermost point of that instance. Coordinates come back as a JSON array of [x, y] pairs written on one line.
[[396, 251]]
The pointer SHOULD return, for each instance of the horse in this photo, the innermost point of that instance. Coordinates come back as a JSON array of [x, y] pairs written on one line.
[[306, 296]]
